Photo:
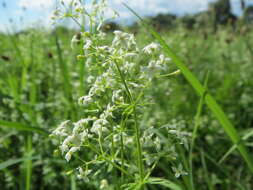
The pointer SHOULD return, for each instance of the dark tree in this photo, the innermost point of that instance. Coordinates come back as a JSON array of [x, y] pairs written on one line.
[[188, 21], [242, 4], [163, 21], [248, 15], [221, 11]]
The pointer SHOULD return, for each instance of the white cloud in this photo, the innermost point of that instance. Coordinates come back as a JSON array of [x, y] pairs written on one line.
[[156, 6], [42, 8], [40, 4], [141, 6], [36, 4], [153, 7]]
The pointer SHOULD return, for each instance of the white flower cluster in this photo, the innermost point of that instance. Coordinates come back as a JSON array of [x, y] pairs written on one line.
[[107, 65], [119, 73], [177, 129], [73, 139], [96, 12]]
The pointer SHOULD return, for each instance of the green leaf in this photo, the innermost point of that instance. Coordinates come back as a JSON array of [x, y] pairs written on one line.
[[164, 182], [11, 162], [244, 138], [22, 127]]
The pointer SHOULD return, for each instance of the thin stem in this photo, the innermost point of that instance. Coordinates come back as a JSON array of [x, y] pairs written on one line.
[[100, 141], [124, 82], [28, 162], [139, 148], [136, 127], [196, 126], [74, 19], [108, 160], [122, 148]]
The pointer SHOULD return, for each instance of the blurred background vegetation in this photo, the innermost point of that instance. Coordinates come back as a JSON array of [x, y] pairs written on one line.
[[41, 80]]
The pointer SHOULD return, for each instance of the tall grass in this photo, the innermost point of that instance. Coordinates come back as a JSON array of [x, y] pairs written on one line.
[[43, 92], [200, 90]]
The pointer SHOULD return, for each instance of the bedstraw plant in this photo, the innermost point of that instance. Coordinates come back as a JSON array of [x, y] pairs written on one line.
[[113, 142]]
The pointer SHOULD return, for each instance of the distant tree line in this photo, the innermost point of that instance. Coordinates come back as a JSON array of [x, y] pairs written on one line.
[[218, 13]]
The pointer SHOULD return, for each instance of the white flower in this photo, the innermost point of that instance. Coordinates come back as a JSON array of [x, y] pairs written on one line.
[[84, 100], [98, 126], [164, 59], [68, 157], [179, 171], [74, 41], [101, 35], [128, 66], [64, 148], [154, 65], [61, 130], [87, 45], [82, 174], [172, 131], [157, 143], [131, 42], [130, 55], [117, 138], [116, 96], [67, 141], [103, 49], [74, 139], [103, 184], [90, 79], [123, 39], [70, 152], [84, 135], [108, 112], [151, 48], [64, 124], [101, 83], [135, 85], [80, 124]]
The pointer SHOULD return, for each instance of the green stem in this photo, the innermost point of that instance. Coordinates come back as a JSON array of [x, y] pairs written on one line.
[[28, 162], [107, 159], [139, 148], [122, 149], [195, 129], [136, 127]]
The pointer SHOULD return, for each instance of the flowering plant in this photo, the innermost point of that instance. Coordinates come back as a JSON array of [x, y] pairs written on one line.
[[113, 130]]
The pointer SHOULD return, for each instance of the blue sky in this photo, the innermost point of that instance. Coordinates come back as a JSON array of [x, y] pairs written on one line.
[[37, 12]]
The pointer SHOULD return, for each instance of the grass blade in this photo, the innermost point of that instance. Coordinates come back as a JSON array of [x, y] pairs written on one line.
[[28, 163], [206, 174], [244, 138], [22, 127], [199, 88], [11, 162], [195, 129], [65, 76], [164, 182]]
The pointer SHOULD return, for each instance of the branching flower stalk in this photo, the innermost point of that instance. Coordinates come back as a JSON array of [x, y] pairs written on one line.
[[119, 72], [137, 130]]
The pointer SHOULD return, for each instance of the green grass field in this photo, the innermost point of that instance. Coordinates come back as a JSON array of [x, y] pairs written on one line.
[[41, 80]]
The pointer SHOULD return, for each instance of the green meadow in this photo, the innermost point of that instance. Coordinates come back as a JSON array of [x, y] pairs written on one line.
[[187, 128]]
